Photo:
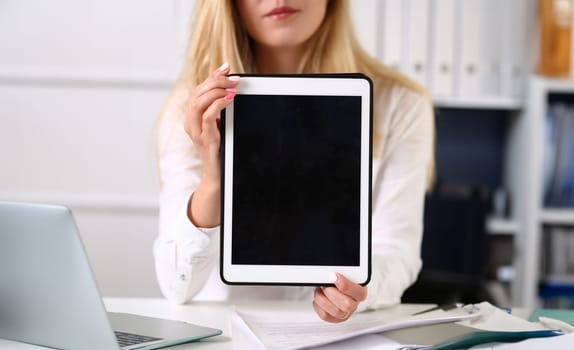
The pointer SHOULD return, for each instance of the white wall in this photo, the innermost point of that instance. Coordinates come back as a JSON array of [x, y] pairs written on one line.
[[81, 83]]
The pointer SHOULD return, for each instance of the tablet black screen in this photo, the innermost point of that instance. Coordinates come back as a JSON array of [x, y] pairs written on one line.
[[296, 179]]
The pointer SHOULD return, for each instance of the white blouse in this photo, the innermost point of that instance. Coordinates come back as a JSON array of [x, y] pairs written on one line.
[[187, 257]]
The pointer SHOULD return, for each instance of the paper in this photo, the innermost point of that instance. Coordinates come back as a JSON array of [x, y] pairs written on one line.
[[295, 330], [365, 342], [495, 319]]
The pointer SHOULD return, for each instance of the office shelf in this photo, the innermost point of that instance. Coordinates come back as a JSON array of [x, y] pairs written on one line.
[[556, 216], [498, 226], [525, 178], [499, 103]]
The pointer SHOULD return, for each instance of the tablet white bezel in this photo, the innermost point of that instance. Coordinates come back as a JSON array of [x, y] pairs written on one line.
[[298, 274]]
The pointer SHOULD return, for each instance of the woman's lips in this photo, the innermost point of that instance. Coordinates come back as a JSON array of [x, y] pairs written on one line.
[[281, 12]]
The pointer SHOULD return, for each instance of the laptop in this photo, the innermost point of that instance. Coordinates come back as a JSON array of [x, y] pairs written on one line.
[[48, 295]]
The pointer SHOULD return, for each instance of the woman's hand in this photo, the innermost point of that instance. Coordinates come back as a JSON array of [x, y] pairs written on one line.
[[336, 304], [201, 123]]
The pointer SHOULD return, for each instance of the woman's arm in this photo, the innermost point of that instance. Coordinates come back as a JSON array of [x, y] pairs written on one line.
[[184, 254], [188, 162], [400, 176]]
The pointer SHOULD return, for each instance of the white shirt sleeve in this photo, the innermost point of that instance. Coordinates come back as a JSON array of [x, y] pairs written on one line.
[[184, 254], [399, 182]]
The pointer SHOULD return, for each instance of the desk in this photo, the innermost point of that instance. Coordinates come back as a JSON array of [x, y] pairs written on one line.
[[211, 314]]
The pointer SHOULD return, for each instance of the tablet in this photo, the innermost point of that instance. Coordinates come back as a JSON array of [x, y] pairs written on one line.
[[296, 180]]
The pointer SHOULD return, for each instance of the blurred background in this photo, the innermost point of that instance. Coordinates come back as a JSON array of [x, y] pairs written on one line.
[[82, 82]]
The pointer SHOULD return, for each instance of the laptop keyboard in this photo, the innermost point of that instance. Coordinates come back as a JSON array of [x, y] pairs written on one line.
[[127, 339]]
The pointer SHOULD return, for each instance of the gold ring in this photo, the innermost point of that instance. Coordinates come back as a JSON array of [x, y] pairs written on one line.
[[345, 316]]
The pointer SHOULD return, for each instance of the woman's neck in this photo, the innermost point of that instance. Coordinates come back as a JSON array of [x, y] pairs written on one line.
[[272, 60]]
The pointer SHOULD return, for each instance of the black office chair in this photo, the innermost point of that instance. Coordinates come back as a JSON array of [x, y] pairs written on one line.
[[454, 248]]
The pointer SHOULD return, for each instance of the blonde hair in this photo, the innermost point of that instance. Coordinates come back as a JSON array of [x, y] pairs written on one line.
[[218, 20]]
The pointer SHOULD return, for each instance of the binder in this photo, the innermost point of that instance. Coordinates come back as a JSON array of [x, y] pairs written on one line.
[[416, 43], [550, 139], [560, 254], [496, 325], [479, 44], [560, 176], [521, 43], [470, 66], [472, 338], [507, 37], [442, 43], [392, 33], [493, 19]]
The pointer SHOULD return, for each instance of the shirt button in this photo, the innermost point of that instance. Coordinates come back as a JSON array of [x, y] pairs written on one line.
[[182, 277]]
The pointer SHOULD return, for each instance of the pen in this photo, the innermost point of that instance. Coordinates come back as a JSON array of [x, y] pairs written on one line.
[[444, 307]]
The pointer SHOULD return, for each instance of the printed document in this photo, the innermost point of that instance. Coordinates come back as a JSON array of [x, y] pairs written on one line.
[[286, 330]]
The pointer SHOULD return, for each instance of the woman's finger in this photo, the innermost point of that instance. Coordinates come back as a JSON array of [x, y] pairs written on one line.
[[324, 315], [346, 304], [213, 112], [221, 82], [198, 106], [210, 120], [325, 304], [352, 289], [218, 79]]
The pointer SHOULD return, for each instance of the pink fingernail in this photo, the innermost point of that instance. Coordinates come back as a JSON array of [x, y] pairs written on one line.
[[229, 96], [334, 277], [223, 67], [233, 78]]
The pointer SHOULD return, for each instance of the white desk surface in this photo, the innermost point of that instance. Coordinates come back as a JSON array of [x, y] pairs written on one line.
[[210, 314]]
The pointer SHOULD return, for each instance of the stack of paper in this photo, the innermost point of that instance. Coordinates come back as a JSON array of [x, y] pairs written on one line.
[[296, 329], [385, 329]]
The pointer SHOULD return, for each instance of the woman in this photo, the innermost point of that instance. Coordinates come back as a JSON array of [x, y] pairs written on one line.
[[285, 36]]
